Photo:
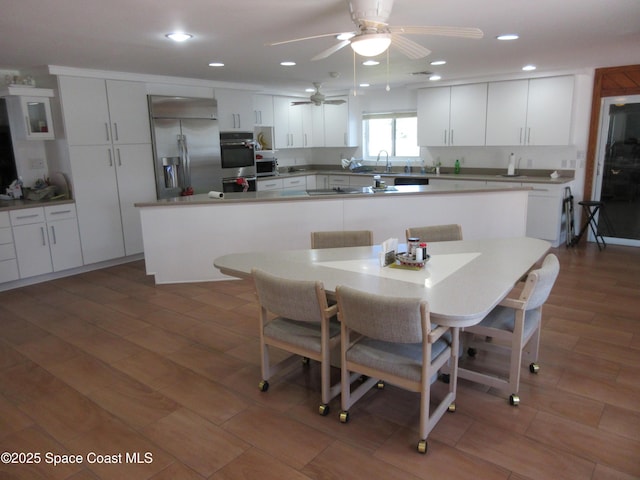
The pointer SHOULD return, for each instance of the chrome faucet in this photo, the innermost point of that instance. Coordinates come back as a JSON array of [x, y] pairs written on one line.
[[387, 167]]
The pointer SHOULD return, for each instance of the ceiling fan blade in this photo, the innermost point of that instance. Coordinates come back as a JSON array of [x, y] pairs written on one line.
[[303, 38], [331, 50], [334, 102], [463, 32], [301, 103], [410, 48]]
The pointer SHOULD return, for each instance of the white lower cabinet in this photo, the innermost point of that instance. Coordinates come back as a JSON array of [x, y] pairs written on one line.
[[8, 262], [294, 183], [46, 239], [270, 184], [544, 213]]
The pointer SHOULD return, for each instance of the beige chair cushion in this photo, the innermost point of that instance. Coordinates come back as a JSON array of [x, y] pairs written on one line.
[[342, 238]]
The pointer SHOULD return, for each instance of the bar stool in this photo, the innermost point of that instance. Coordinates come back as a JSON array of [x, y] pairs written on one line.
[[591, 208]]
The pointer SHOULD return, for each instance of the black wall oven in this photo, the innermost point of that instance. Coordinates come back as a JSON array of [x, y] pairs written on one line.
[[236, 150]]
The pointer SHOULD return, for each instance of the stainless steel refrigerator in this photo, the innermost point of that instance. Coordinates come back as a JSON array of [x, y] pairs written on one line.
[[186, 145]]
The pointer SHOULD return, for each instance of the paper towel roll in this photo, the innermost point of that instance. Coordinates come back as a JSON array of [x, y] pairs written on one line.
[[214, 194]]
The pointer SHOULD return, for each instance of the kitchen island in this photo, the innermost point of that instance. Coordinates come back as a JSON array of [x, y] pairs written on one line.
[[183, 235]]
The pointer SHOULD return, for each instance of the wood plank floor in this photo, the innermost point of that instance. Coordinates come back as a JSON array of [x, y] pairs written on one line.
[[106, 363]]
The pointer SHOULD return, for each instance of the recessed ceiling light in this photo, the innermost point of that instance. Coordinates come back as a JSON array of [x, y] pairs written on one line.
[[433, 78], [309, 90], [365, 84], [287, 64], [370, 63], [216, 64], [508, 36], [345, 36], [179, 36], [438, 62], [529, 68]]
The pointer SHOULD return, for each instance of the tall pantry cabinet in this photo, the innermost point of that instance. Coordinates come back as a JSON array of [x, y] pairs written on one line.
[[108, 134]]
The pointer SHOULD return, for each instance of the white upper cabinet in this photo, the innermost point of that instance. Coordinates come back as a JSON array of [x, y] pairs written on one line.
[[287, 123], [336, 125], [235, 110], [549, 110], [263, 110], [452, 116], [30, 112], [507, 112], [99, 112], [530, 112]]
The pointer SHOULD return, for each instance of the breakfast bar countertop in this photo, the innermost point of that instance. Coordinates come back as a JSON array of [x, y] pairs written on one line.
[[302, 195]]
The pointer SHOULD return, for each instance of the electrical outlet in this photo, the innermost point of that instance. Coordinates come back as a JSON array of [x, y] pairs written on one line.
[[36, 164], [572, 164], [563, 164]]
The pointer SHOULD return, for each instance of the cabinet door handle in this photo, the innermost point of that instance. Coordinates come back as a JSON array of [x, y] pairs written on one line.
[[520, 140], [20, 217], [119, 157], [451, 137], [110, 158], [529, 136], [115, 131], [53, 234], [44, 242], [106, 129], [445, 137], [59, 212], [26, 120]]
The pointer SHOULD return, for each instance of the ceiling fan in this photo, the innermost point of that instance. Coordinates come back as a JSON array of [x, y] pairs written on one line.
[[374, 35], [318, 98]]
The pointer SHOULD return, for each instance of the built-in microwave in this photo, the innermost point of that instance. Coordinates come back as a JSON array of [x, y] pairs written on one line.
[[266, 167]]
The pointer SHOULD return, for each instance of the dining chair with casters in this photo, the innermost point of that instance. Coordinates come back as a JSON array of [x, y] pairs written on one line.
[[295, 317], [391, 340], [342, 238], [512, 327], [436, 233]]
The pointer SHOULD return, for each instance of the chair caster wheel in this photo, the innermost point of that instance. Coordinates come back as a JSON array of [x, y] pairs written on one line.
[[422, 446], [471, 352], [323, 410], [380, 385], [263, 386], [305, 361], [445, 377], [452, 407], [534, 367], [344, 417], [514, 399]]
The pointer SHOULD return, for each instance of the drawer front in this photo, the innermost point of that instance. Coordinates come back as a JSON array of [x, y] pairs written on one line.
[[264, 185], [60, 212], [27, 216], [7, 252], [6, 236], [4, 220], [8, 271], [295, 182]]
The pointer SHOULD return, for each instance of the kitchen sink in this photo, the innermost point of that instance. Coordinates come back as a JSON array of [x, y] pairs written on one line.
[[338, 190]]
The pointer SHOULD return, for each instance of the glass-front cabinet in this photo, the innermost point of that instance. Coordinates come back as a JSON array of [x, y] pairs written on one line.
[[30, 112], [36, 112]]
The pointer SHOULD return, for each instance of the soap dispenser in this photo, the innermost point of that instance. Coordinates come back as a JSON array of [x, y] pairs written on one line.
[[456, 167]]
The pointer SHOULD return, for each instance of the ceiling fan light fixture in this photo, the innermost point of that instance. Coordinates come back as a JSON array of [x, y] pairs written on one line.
[[370, 63], [371, 45]]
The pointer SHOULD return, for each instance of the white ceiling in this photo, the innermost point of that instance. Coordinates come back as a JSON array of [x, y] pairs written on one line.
[[128, 36]]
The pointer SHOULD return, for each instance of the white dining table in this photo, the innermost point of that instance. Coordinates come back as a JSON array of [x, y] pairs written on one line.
[[462, 280]]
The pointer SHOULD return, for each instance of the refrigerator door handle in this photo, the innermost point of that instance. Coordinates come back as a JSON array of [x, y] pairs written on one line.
[[184, 154]]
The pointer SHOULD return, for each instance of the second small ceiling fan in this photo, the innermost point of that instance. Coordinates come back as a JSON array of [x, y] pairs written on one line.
[[374, 35], [318, 98]]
